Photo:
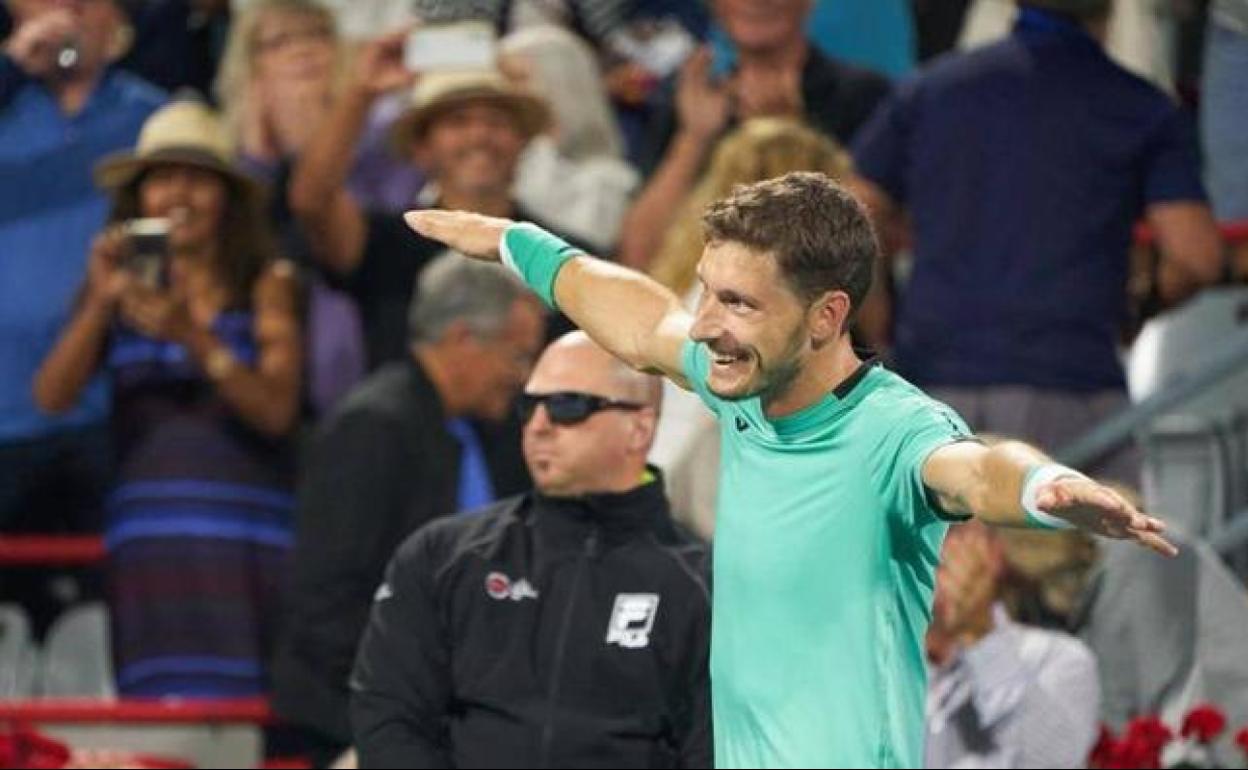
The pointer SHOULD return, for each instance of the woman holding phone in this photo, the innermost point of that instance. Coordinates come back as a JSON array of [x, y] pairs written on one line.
[[204, 358]]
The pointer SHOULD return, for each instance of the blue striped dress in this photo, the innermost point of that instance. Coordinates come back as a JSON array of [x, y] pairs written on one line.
[[199, 526]]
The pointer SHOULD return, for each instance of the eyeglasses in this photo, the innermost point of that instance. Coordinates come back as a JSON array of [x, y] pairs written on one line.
[[273, 42], [569, 408]]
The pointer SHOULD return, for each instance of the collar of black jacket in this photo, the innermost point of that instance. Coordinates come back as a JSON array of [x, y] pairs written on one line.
[[611, 518]]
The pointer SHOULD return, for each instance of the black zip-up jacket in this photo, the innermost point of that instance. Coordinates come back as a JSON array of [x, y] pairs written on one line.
[[540, 632]]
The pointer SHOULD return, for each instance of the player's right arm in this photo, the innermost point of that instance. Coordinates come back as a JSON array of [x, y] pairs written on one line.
[[635, 318]]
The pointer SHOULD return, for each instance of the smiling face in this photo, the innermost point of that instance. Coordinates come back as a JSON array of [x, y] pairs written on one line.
[[786, 262], [753, 324], [192, 198], [473, 148]]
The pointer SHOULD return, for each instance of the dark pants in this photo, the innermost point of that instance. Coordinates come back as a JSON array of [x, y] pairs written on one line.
[[53, 485], [1048, 419]]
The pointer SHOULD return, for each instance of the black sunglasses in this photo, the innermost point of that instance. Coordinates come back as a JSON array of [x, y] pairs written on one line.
[[569, 408]]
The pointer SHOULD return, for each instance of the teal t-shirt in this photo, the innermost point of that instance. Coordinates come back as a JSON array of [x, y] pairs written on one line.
[[826, 545]]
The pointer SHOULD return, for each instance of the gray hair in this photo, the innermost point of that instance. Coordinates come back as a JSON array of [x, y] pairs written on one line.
[[454, 288]]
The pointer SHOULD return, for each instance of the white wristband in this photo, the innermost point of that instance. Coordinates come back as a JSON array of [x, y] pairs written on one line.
[[1038, 477]]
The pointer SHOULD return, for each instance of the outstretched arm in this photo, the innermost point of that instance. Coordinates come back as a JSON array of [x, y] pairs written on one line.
[[1013, 484], [636, 319]]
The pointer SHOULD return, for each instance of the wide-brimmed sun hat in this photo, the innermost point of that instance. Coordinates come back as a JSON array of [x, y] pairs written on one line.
[[437, 92], [185, 133]]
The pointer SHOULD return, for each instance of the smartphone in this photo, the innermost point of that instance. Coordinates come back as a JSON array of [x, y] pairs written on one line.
[[464, 45], [148, 254]]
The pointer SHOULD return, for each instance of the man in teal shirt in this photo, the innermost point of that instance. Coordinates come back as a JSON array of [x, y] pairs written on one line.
[[837, 476]]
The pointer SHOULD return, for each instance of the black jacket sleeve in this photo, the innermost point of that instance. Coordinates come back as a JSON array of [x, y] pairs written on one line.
[[401, 685], [693, 715], [348, 494]]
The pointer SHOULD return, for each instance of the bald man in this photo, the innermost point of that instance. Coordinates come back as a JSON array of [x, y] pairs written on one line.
[[568, 627]]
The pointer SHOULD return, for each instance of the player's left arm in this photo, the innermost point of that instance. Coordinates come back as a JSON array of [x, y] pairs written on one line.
[[1014, 485]]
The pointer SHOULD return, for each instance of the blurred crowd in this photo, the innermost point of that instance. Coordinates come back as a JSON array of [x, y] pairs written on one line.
[[223, 350]]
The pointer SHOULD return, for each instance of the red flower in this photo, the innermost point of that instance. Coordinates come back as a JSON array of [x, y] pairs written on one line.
[[1146, 737], [1204, 723], [1149, 731], [1105, 750], [1241, 739], [1138, 753]]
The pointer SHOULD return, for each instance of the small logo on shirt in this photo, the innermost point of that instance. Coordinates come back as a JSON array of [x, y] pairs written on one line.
[[631, 620], [500, 587], [383, 592], [742, 425]]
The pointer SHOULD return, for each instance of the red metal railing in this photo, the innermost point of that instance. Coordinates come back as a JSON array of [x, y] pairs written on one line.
[[137, 711], [52, 550]]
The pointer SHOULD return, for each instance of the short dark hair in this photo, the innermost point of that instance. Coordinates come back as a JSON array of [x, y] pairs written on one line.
[[819, 234]]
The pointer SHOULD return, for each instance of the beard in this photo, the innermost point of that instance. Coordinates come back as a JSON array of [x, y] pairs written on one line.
[[769, 381]]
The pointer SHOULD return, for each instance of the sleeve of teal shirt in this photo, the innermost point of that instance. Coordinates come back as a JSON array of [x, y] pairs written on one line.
[[697, 366], [929, 427]]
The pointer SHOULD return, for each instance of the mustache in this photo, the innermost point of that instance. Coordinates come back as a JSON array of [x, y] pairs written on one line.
[[726, 346]]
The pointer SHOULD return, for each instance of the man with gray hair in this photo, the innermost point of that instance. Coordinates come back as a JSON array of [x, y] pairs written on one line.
[[401, 449]]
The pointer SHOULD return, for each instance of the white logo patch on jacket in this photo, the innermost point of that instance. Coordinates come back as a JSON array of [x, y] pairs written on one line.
[[500, 587], [632, 618]]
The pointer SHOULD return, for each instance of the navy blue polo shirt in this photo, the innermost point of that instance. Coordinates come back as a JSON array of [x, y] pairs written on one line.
[[1024, 166], [49, 212]]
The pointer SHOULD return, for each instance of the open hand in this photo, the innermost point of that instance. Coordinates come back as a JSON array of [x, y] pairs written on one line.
[[473, 235], [379, 65], [1098, 509]]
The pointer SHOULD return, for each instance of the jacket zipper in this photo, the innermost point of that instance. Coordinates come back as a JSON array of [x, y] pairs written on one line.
[[561, 646]]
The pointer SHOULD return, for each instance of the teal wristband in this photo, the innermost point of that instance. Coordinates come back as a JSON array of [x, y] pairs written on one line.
[[537, 257], [1037, 477]]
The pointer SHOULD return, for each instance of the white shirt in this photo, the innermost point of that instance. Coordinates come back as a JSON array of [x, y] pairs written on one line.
[[1020, 697]]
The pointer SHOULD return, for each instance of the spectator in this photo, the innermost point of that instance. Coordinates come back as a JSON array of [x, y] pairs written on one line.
[[1167, 632], [1138, 35], [397, 452], [205, 363], [283, 65], [1002, 694], [568, 627], [276, 87], [1017, 297], [467, 129], [276, 83], [574, 176], [777, 73], [687, 444], [55, 122]]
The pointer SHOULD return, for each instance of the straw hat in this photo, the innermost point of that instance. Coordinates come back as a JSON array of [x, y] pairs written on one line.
[[437, 92], [184, 132]]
